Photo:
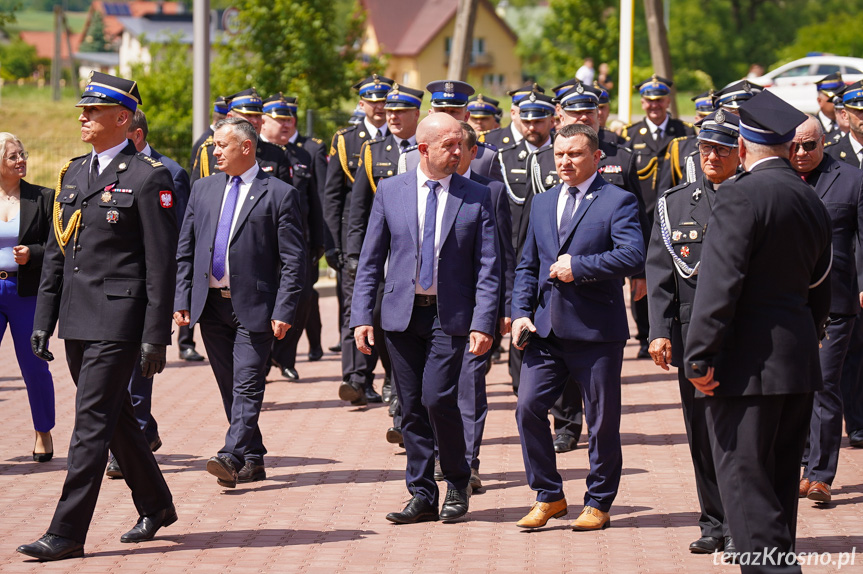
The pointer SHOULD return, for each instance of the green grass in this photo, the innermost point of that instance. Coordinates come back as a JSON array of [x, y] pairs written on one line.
[[44, 21]]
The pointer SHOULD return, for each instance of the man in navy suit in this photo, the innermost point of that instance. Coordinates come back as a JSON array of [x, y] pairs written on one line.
[[840, 187], [242, 238], [436, 229], [583, 240]]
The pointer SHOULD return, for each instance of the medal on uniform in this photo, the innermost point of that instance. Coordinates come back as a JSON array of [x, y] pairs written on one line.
[[113, 216], [684, 251], [693, 234], [696, 195], [676, 235], [549, 180], [106, 196]]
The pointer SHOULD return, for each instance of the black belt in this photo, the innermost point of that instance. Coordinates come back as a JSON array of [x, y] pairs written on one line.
[[223, 291], [8, 274], [425, 300]]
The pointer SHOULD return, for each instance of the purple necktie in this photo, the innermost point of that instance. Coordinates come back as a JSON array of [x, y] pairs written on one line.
[[223, 232], [566, 217], [427, 255]]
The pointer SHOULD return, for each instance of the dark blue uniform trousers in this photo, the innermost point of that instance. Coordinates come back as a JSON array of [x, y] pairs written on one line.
[[103, 419], [473, 403], [426, 364], [821, 456], [239, 360], [712, 519], [547, 365], [757, 441], [852, 379]]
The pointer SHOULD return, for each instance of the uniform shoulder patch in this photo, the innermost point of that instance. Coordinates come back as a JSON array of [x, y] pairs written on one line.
[[677, 188], [486, 145], [410, 149], [208, 142], [317, 141], [148, 160]]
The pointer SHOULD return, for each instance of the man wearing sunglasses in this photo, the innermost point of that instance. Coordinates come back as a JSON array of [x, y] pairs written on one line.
[[840, 187], [673, 260]]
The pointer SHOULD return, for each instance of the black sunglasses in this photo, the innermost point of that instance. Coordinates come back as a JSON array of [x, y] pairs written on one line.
[[807, 146]]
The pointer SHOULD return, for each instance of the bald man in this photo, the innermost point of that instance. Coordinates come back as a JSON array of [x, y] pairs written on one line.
[[438, 230]]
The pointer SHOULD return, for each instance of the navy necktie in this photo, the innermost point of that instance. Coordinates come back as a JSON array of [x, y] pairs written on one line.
[[404, 145], [94, 170], [427, 255], [223, 231], [568, 212]]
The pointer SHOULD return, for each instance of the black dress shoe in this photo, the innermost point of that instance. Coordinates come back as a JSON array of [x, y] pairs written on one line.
[[372, 395], [643, 353], [190, 355], [387, 390], [565, 442], [147, 526], [394, 406], [455, 504], [855, 438], [350, 391], [417, 510], [291, 374], [251, 472], [706, 545], [335, 348], [495, 354], [394, 435], [730, 549], [223, 469], [155, 444], [52, 547], [113, 470], [475, 481], [438, 472], [316, 354]]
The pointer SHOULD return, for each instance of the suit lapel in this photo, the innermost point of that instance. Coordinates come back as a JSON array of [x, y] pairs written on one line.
[[453, 204], [256, 192], [825, 180], [700, 210], [409, 194], [119, 164], [28, 210]]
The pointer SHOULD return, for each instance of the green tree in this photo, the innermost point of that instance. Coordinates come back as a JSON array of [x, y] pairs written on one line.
[[19, 60], [832, 35], [165, 87], [95, 41]]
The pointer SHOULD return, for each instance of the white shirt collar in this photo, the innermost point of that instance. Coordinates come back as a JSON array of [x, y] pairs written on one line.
[[106, 157], [411, 141], [422, 178], [294, 137], [466, 174], [762, 160], [855, 145], [531, 147], [653, 127], [373, 131], [248, 175], [148, 151]]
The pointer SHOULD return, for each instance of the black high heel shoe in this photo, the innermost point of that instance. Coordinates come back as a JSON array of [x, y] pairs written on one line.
[[44, 456]]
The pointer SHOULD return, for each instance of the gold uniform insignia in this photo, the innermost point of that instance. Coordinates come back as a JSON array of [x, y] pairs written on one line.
[[693, 234], [642, 131], [362, 134], [106, 197], [506, 140]]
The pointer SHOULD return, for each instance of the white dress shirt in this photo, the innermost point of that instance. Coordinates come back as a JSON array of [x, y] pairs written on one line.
[[373, 131], [653, 127], [422, 198], [857, 147], [531, 148], [247, 178], [564, 193], [106, 157]]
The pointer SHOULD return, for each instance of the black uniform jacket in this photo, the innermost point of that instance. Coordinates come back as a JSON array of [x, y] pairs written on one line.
[[113, 280]]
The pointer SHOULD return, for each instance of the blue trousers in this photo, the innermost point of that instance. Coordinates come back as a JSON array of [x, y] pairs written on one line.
[[473, 403], [821, 456], [426, 364], [547, 365], [239, 361], [17, 312]]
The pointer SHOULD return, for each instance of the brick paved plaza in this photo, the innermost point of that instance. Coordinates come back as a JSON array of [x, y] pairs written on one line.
[[332, 478]]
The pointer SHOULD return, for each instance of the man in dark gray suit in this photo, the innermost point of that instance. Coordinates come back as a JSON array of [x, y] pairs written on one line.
[[243, 236]]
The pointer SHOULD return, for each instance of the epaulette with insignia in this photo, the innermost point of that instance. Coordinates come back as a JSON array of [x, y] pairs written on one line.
[[677, 187], [488, 146], [410, 149], [208, 142], [317, 141], [687, 124], [147, 159], [508, 148]]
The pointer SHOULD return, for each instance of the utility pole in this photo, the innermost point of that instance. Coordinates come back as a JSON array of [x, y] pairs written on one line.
[[660, 55], [57, 63], [201, 67], [624, 80], [462, 40]]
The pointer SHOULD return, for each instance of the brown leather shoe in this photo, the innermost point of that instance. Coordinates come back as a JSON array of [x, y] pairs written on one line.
[[542, 512], [591, 519], [804, 487], [818, 491]]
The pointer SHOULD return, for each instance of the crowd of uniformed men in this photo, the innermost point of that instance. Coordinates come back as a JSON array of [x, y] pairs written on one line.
[[337, 203]]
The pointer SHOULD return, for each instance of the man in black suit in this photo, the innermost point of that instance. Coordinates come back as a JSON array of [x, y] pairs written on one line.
[[243, 235], [108, 275], [752, 345], [840, 187], [649, 140], [849, 149], [673, 261], [140, 387]]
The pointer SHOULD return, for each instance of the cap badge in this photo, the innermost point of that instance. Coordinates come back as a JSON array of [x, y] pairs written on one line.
[[720, 117], [532, 97], [479, 98], [747, 87], [579, 88], [448, 87]]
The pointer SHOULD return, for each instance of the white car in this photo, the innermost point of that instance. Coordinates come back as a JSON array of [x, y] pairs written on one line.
[[795, 82]]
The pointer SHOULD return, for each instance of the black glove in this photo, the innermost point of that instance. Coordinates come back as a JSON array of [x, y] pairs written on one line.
[[152, 359], [334, 257], [351, 264], [39, 344], [317, 253]]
